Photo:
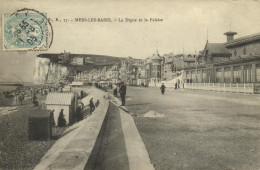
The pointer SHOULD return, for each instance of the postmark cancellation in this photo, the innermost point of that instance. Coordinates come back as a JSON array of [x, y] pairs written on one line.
[[24, 30]]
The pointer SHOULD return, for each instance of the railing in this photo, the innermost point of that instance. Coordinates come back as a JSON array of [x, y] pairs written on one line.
[[224, 87]]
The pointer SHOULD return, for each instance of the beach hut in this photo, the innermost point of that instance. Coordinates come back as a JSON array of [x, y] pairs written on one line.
[[58, 101]]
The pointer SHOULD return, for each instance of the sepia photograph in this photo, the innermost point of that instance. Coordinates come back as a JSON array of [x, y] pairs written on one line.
[[130, 85]]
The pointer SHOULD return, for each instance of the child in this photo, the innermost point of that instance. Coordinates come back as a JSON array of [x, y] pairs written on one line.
[[97, 103]]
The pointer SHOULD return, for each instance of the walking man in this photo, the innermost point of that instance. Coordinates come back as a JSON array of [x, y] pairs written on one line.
[[115, 91], [91, 105], [122, 92], [162, 89]]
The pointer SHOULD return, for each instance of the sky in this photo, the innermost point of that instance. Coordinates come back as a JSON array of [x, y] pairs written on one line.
[[183, 29]]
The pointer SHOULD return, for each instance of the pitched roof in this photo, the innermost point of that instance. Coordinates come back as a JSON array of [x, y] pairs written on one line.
[[59, 98], [237, 60], [156, 56], [217, 49], [242, 40], [168, 58]]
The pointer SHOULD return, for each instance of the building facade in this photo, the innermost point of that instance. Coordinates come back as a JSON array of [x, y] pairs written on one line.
[[236, 61]]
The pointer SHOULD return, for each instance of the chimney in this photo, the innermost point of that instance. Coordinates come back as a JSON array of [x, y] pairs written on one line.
[[230, 35]]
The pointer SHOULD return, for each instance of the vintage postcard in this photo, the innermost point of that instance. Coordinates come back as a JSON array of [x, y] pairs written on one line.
[[138, 84]]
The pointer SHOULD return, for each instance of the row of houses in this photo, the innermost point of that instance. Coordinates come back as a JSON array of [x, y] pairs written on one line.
[[155, 69], [234, 61], [108, 73]]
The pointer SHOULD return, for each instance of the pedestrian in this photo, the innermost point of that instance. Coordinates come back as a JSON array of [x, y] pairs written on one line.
[[35, 102], [122, 92], [61, 120], [97, 103], [21, 98], [52, 118], [79, 114], [162, 88], [91, 105], [176, 85], [115, 91]]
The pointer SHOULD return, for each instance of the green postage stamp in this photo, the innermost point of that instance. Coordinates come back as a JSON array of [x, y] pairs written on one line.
[[25, 30]]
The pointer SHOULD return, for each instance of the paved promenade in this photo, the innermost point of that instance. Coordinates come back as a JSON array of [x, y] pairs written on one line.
[[190, 129]]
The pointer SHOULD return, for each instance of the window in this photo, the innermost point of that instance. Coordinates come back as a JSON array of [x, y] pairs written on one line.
[[193, 76], [204, 76], [237, 74], [258, 73], [244, 51], [188, 75], [235, 53], [218, 75], [199, 77], [247, 74]]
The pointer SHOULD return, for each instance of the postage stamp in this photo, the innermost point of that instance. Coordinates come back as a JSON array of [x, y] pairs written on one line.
[[25, 30]]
